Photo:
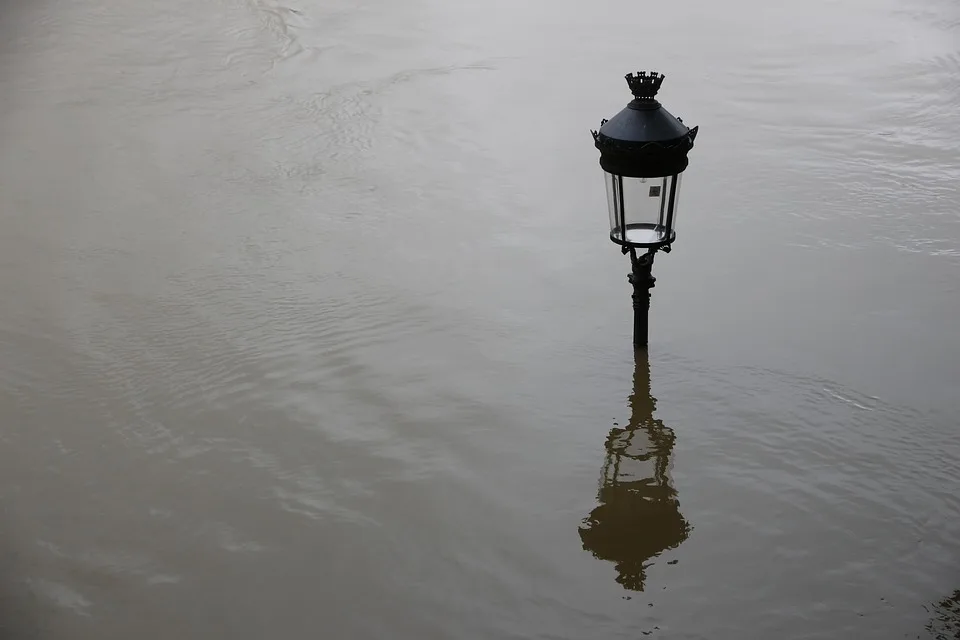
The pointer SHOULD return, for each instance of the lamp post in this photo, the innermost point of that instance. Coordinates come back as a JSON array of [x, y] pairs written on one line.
[[643, 153]]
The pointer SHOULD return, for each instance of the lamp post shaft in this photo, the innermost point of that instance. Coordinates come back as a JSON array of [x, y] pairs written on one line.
[[642, 280]]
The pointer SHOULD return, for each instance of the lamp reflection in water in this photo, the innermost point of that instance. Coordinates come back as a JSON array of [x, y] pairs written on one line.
[[638, 516]]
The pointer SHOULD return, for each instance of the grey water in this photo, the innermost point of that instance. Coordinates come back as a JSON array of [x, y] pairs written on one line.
[[311, 326]]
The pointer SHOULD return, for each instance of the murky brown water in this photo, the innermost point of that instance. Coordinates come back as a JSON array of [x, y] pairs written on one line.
[[311, 327]]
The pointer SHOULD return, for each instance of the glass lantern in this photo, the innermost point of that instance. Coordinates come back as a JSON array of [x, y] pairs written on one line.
[[643, 153], [643, 211]]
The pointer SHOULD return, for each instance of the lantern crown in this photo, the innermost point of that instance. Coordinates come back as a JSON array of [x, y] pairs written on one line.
[[644, 86]]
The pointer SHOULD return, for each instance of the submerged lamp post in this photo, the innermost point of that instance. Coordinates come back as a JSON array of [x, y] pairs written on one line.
[[643, 152]]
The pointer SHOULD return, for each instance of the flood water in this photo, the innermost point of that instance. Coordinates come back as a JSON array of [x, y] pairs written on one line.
[[311, 327]]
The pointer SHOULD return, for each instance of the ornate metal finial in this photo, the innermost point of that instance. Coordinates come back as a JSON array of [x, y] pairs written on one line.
[[643, 85]]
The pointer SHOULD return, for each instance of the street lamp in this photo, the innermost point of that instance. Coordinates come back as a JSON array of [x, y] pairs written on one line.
[[643, 152]]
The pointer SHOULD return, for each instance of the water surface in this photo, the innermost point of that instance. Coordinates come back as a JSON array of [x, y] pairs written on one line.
[[311, 324]]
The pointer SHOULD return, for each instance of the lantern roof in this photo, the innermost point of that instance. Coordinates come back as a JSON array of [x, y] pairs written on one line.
[[644, 140]]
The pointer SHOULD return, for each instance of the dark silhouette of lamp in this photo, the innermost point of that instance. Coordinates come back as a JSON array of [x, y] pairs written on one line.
[[643, 154]]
